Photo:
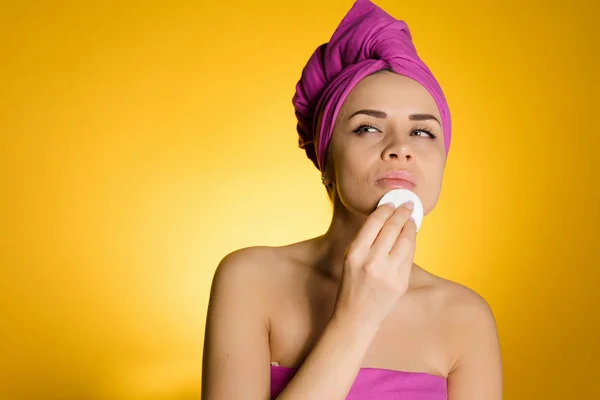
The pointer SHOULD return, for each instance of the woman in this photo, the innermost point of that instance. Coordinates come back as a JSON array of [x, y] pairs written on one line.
[[348, 314]]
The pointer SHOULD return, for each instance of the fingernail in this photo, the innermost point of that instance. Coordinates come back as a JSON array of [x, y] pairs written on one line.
[[410, 205], [389, 204]]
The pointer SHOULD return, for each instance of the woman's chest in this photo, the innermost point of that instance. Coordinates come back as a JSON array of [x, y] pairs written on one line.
[[412, 338]]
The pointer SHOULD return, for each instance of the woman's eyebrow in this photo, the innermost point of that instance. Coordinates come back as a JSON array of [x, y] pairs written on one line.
[[381, 114], [373, 113], [423, 117]]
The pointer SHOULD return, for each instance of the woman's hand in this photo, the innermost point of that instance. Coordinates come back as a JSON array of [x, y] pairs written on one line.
[[377, 266]]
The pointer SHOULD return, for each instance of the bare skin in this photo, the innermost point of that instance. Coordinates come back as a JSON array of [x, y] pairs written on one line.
[[412, 338], [310, 305]]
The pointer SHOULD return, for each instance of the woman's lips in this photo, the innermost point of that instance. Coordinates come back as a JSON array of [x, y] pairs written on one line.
[[394, 183]]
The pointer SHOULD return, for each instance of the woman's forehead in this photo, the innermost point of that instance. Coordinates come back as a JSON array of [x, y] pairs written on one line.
[[391, 93]]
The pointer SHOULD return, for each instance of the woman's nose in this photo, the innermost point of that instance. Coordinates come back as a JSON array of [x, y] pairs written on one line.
[[399, 148]]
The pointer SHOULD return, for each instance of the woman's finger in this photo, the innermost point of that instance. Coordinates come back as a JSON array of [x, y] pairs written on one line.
[[368, 232], [390, 231], [405, 242]]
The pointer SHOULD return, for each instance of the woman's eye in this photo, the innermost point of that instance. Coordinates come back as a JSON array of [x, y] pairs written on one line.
[[364, 129], [425, 133]]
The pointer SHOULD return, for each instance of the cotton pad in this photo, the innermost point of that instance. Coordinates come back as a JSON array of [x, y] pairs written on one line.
[[401, 196]]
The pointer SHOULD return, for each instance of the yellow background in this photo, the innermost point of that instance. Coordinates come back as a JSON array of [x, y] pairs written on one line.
[[142, 141]]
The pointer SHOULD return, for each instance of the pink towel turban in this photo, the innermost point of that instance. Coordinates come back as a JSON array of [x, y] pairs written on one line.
[[367, 40]]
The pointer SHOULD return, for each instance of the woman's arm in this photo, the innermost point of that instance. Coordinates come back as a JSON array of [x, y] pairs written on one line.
[[236, 361], [333, 364], [477, 373]]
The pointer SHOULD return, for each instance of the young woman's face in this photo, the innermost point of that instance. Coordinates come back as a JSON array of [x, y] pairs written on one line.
[[387, 123]]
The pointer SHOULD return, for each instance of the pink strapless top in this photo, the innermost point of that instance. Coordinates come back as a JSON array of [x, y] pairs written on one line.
[[376, 383]]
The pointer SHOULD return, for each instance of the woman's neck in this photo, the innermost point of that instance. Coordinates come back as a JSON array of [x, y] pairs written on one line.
[[329, 250], [331, 247]]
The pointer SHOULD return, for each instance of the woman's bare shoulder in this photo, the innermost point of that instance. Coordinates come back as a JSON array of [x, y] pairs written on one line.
[[470, 326], [246, 263], [247, 257], [452, 299], [259, 266], [459, 300], [468, 317], [262, 257]]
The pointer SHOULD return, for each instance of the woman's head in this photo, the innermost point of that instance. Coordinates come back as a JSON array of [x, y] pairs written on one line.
[[388, 122], [366, 42]]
